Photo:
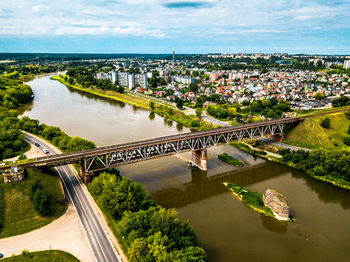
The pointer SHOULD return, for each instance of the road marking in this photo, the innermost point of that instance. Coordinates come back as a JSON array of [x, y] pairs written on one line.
[[83, 209], [109, 240]]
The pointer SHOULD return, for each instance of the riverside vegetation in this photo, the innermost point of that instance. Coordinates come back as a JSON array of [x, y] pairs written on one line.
[[81, 79], [230, 160], [251, 199], [29, 204], [146, 231]]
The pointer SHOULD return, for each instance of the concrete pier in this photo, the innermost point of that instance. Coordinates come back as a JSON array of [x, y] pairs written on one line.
[[200, 158]]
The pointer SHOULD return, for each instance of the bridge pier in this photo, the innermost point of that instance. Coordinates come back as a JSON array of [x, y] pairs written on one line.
[[277, 137], [86, 176], [200, 158]]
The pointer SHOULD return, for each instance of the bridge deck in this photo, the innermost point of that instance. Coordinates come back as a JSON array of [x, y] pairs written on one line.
[[79, 155]]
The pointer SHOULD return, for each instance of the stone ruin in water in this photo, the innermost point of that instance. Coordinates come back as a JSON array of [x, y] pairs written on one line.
[[277, 203]]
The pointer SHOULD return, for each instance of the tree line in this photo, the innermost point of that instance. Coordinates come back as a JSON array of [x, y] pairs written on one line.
[[13, 93], [150, 232], [55, 135], [320, 162]]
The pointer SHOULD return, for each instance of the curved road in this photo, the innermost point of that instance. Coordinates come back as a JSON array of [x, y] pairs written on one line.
[[99, 241]]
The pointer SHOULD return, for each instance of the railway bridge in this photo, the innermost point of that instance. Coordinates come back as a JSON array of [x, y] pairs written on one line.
[[112, 156]]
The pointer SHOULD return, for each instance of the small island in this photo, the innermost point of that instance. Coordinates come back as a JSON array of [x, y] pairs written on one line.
[[271, 203], [230, 160]]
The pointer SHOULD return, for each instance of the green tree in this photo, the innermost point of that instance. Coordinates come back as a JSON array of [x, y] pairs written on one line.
[[151, 105], [199, 112], [180, 103], [346, 140], [326, 123]]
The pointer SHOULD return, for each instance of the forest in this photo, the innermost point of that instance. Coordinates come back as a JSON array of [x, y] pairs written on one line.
[[149, 231], [13, 93]]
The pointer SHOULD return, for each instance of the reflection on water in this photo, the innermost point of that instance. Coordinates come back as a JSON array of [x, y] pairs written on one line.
[[227, 229]]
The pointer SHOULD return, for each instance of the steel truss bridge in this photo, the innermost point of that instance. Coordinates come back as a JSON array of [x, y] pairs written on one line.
[[197, 142]]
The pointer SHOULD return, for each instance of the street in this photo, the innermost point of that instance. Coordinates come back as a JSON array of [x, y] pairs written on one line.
[[96, 234]]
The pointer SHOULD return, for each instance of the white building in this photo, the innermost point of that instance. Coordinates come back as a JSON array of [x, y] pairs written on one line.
[[183, 79], [131, 81], [141, 79], [102, 75], [347, 64]]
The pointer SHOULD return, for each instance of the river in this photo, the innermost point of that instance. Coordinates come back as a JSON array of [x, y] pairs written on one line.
[[225, 227]]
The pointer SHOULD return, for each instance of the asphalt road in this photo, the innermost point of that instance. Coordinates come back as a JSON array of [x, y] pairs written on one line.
[[97, 236]]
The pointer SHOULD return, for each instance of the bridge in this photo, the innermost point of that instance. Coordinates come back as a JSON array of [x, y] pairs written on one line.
[[112, 156]]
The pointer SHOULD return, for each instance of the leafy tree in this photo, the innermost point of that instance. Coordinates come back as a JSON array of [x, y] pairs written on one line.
[[319, 96], [346, 140], [40, 201], [180, 103], [198, 112], [326, 123], [151, 105]]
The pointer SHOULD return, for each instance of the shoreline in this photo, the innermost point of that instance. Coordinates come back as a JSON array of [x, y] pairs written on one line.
[[330, 181], [162, 109]]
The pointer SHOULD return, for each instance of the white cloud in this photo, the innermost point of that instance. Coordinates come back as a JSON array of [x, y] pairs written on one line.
[[108, 31], [150, 18]]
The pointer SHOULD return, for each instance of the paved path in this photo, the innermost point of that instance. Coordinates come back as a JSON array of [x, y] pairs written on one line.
[[100, 242], [276, 143], [205, 116], [65, 233]]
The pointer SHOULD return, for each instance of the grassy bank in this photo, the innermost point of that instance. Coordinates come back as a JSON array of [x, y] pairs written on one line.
[[310, 134], [250, 198], [230, 160], [19, 215], [246, 148], [163, 110], [43, 256]]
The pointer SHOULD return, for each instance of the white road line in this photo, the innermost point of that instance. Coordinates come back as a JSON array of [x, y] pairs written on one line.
[[83, 208]]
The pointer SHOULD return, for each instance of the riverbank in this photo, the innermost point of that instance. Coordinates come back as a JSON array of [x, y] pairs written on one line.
[[230, 160], [335, 181], [163, 110]]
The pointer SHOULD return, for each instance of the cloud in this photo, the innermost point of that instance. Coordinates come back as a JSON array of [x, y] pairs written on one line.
[[185, 4], [108, 31], [40, 8]]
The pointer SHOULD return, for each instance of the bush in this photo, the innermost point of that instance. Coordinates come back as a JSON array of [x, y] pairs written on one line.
[[326, 123], [346, 140], [41, 203], [151, 105], [347, 114]]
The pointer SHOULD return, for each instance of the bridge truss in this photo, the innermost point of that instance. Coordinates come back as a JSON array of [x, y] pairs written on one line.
[[160, 149]]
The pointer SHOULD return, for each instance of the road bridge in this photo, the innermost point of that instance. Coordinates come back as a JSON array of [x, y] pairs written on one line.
[[112, 156]]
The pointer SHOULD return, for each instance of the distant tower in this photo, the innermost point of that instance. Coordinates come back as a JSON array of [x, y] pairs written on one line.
[[173, 58]]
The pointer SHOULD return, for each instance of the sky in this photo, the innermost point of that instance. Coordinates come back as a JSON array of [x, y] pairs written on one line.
[[185, 26]]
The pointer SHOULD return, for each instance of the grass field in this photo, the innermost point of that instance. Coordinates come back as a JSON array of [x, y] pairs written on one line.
[[310, 134], [19, 215], [43, 256]]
